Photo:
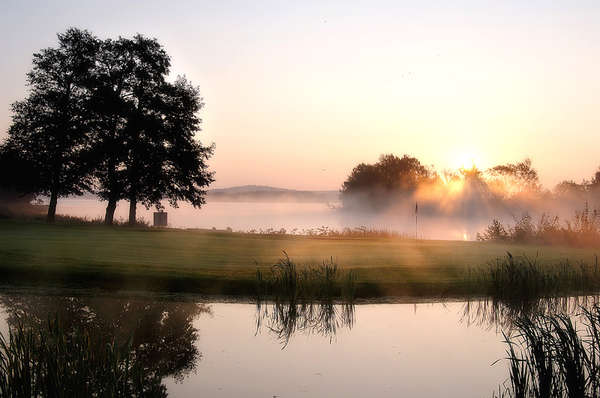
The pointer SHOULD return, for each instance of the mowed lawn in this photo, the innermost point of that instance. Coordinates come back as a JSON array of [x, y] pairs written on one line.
[[220, 262]]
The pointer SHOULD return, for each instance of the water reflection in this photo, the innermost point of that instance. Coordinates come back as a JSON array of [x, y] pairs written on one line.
[[284, 318], [500, 315], [163, 338]]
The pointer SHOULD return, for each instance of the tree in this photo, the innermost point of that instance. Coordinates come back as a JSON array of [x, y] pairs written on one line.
[[184, 173], [389, 177], [518, 177], [145, 147], [113, 111], [49, 127], [494, 231], [101, 117]]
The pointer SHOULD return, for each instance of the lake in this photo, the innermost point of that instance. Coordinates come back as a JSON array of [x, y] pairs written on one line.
[[219, 349], [294, 217]]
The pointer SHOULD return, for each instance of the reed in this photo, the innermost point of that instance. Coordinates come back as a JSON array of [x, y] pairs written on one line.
[[312, 299], [291, 283], [522, 278], [549, 356], [47, 361]]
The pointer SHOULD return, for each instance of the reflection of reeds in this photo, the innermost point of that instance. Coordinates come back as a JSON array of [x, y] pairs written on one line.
[[48, 362], [550, 357], [285, 319], [499, 314], [314, 299]]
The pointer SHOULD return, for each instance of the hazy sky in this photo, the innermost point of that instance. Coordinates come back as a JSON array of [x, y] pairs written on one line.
[[297, 93]]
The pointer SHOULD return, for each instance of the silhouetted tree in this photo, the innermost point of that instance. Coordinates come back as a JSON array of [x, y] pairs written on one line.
[[184, 173], [378, 183], [114, 109], [49, 127], [145, 148]]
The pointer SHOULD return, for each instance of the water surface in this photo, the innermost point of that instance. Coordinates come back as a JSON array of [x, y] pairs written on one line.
[[220, 349], [294, 217]]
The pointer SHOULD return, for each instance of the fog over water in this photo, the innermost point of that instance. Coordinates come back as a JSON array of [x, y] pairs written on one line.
[[294, 217]]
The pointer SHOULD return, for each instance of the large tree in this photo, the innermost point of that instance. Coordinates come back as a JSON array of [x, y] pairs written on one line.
[[113, 109], [184, 173], [145, 142], [380, 183], [49, 127], [102, 117]]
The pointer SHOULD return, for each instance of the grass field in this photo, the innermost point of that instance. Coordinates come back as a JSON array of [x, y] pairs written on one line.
[[212, 262]]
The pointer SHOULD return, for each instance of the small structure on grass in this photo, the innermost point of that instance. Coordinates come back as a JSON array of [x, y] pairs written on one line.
[[160, 219]]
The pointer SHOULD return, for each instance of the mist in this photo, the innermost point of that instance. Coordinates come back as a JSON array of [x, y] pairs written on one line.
[[459, 204]]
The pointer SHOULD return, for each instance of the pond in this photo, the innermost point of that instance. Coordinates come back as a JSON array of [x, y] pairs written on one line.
[[233, 349]]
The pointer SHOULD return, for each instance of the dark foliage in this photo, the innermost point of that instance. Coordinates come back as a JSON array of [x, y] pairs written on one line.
[[101, 117], [97, 346], [49, 128], [378, 184]]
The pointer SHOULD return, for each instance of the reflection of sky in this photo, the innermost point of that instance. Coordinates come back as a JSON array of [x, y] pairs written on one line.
[[391, 351], [298, 93]]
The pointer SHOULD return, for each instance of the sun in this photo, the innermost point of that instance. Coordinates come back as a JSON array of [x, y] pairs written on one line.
[[465, 160]]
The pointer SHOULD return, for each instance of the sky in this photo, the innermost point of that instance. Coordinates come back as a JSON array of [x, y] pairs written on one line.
[[298, 93]]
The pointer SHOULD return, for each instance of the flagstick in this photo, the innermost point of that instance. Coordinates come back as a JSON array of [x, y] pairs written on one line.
[[416, 220]]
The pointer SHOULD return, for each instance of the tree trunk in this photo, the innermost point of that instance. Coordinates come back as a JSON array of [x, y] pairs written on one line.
[[110, 211], [52, 207], [132, 210]]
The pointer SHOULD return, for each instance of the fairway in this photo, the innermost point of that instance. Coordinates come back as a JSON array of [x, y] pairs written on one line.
[[213, 262]]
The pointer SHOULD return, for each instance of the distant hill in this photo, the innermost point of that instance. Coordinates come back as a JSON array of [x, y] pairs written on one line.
[[262, 193]]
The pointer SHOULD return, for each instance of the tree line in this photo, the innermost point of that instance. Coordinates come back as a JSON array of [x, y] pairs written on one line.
[[391, 179], [101, 117]]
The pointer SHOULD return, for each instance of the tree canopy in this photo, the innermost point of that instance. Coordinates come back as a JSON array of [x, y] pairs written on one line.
[[518, 177], [379, 182], [49, 127], [102, 117]]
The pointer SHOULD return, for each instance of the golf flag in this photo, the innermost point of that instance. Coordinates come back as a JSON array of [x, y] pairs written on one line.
[[416, 208]]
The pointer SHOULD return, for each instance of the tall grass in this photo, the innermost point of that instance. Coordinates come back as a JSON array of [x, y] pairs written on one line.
[[50, 362], [549, 356], [328, 232], [289, 282], [521, 278]]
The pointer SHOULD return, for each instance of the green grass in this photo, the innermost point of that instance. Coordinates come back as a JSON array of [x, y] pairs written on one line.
[[225, 263]]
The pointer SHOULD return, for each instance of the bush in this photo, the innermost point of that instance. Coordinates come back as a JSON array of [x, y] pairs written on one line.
[[583, 230]]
